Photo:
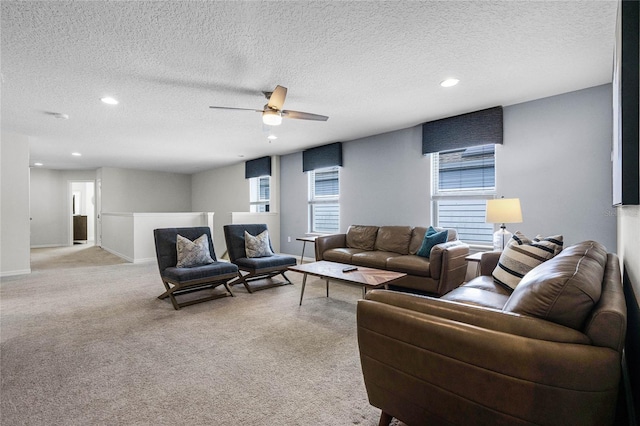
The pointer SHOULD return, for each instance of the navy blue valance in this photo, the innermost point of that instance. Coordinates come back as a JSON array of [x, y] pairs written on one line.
[[462, 131], [322, 156], [258, 167]]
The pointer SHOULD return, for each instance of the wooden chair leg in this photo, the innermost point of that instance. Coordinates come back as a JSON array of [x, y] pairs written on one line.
[[226, 286], [285, 277], [166, 293], [385, 419], [174, 302]]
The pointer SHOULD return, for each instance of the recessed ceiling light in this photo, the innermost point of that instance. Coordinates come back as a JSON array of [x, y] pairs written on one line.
[[272, 137], [109, 100], [38, 164], [450, 82], [76, 154]]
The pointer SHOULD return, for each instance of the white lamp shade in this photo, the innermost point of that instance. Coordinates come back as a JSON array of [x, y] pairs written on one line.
[[503, 210], [271, 118]]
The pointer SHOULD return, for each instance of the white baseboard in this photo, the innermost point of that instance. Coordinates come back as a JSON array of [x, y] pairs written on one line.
[[49, 245], [120, 255], [145, 260], [13, 273]]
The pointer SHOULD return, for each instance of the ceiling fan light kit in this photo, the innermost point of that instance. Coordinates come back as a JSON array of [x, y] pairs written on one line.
[[271, 117]]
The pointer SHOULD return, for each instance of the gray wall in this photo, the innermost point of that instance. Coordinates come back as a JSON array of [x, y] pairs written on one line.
[[555, 158], [221, 191], [385, 180], [125, 191]]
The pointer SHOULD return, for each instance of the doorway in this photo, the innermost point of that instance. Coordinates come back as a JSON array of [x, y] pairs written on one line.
[[82, 217]]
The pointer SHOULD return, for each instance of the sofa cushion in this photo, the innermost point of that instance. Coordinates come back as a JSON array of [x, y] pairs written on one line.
[[340, 255], [409, 264], [394, 239], [214, 271], [522, 255], [268, 262], [431, 239], [361, 237], [564, 289], [486, 283], [481, 291], [417, 236], [373, 259]]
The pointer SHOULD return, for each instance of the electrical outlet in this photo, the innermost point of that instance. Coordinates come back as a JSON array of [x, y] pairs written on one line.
[[288, 239]]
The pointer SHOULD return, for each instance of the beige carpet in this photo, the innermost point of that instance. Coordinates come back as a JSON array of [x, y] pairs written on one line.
[[89, 345]]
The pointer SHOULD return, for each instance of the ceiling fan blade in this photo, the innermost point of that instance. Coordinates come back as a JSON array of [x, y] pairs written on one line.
[[276, 100], [304, 115], [241, 109]]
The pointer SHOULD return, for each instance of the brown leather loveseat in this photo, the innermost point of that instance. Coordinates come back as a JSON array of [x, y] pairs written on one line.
[[394, 248], [548, 353]]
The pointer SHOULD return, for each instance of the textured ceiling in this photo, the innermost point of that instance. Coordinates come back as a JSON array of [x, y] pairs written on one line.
[[372, 67]]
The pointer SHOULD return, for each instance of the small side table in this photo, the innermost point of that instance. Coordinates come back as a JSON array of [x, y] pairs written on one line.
[[305, 240], [475, 258]]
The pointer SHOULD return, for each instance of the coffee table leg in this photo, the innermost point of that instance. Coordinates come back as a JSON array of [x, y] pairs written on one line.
[[327, 288], [304, 282], [364, 291], [302, 256]]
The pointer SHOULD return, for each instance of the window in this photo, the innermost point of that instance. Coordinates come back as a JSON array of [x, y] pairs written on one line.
[[324, 204], [259, 194], [463, 179]]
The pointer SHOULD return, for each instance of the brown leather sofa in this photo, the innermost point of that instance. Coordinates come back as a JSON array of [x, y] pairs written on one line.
[[394, 248], [549, 353]]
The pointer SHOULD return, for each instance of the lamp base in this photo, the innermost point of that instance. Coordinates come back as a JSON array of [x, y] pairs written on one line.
[[500, 238]]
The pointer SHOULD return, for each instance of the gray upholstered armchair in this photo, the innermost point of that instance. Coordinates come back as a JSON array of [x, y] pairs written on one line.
[[181, 280], [255, 268]]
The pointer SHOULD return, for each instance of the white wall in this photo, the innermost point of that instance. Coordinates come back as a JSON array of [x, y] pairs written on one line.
[[126, 190], [48, 208], [14, 205], [50, 205], [130, 235], [555, 158]]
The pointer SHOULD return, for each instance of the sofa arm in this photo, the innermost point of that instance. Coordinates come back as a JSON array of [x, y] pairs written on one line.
[[410, 359], [327, 242], [448, 265], [489, 261]]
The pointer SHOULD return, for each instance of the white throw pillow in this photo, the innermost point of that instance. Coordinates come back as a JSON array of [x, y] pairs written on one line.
[[193, 253], [257, 246]]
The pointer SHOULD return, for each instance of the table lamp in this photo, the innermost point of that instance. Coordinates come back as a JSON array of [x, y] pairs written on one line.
[[503, 210]]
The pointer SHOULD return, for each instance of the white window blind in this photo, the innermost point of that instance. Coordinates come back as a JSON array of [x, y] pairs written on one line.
[[324, 204], [259, 194], [463, 179]]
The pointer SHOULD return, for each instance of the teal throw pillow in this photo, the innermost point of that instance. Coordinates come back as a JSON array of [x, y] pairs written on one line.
[[432, 238]]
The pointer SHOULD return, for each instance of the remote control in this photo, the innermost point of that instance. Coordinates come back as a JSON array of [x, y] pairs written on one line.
[[350, 269]]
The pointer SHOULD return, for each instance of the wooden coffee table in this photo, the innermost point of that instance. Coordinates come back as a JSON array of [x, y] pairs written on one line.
[[367, 278]]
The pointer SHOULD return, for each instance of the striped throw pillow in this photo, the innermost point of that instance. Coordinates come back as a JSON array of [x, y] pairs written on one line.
[[522, 255]]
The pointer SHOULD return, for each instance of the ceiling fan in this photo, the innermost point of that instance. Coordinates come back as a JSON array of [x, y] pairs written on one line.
[[272, 113]]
